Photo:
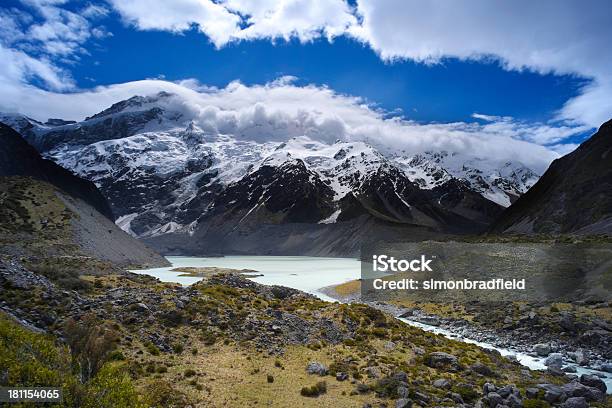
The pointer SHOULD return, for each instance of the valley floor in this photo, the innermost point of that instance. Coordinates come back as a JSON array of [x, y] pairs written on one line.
[[228, 341]]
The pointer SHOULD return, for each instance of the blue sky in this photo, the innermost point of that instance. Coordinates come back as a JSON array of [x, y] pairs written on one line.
[[542, 68], [449, 91]]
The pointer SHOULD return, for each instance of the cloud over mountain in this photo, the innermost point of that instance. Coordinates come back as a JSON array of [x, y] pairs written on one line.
[[38, 46], [544, 36], [280, 110]]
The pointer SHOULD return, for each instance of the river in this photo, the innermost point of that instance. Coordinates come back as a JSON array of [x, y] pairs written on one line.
[[310, 275]]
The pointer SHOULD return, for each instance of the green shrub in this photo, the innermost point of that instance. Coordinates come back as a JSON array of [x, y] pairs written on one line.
[[110, 388], [161, 393], [35, 360], [315, 390], [152, 348], [467, 392], [91, 343]]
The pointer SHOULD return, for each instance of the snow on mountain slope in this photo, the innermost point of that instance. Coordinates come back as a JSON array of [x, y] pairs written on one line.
[[162, 167], [502, 183]]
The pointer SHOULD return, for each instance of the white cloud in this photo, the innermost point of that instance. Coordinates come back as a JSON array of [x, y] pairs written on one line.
[[233, 20], [18, 68], [303, 19], [280, 110], [562, 37], [545, 36], [34, 42], [211, 18]]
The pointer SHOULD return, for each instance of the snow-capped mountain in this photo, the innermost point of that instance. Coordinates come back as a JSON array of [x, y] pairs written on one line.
[[502, 183], [163, 170]]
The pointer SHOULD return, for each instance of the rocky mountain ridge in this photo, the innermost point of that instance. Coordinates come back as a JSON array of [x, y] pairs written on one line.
[[573, 195], [164, 171]]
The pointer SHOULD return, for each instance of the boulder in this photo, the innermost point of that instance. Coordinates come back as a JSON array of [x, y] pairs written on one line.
[[314, 367], [580, 357], [487, 388], [575, 402], [442, 383], [341, 376], [482, 369], [403, 392], [373, 372], [494, 399], [403, 403], [514, 401], [553, 393], [592, 381], [575, 389], [532, 392], [439, 359], [554, 360], [542, 349]]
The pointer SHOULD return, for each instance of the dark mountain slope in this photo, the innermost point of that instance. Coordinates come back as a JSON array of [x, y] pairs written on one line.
[[49, 214], [573, 196], [18, 158]]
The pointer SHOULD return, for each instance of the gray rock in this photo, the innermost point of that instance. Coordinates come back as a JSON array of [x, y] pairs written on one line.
[[542, 349], [505, 391], [569, 369], [607, 367], [580, 357], [487, 388], [556, 371], [419, 351], [457, 398], [314, 367], [494, 399], [592, 381], [482, 369], [575, 402], [403, 392], [341, 376], [514, 402], [575, 389], [554, 360], [532, 392], [419, 396], [442, 383], [140, 308], [401, 376], [553, 393], [373, 372], [595, 395], [439, 359], [403, 403]]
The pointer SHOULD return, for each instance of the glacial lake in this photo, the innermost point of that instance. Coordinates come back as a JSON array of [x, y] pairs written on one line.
[[310, 275], [306, 273]]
